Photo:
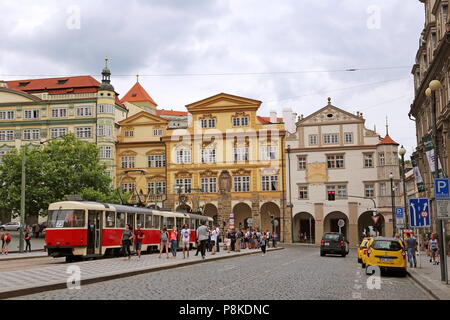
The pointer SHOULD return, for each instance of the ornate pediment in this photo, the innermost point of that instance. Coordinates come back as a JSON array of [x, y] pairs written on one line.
[[183, 174], [208, 173], [271, 171], [241, 172], [156, 152], [223, 101], [330, 114], [157, 177], [127, 153]]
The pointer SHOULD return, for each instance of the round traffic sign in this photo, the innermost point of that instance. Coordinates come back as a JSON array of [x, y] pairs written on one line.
[[275, 223], [341, 223], [424, 214], [250, 221]]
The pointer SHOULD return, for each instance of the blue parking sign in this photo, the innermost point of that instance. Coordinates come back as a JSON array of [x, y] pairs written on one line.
[[419, 211], [441, 188]]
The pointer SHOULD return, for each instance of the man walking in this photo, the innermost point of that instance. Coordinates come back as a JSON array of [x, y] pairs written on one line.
[[411, 245], [202, 236]]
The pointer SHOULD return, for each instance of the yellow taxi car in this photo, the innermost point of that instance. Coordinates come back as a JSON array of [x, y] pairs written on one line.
[[362, 247], [364, 252], [387, 254]]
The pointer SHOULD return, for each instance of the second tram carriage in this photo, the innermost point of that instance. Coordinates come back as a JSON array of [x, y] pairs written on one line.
[[78, 229]]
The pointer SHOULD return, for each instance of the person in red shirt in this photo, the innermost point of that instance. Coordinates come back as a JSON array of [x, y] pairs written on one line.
[[138, 237], [27, 239], [6, 241]]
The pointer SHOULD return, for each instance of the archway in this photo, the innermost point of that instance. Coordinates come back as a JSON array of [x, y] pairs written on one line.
[[269, 209], [211, 211], [242, 212], [330, 223], [372, 225], [304, 228]]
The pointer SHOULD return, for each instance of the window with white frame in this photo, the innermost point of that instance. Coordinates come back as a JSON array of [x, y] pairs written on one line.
[[303, 192], [6, 135], [157, 132], [301, 162], [240, 121], [106, 152], [368, 160], [156, 161], [83, 132], [369, 190], [7, 115], [183, 156], [331, 138], [348, 137], [31, 114], [208, 155], [128, 161], [242, 184], [59, 112], [208, 185], [269, 183], [104, 131], [84, 111], [183, 185], [105, 108], [158, 187], [208, 123], [269, 153], [129, 133], [57, 132], [31, 134], [313, 140], [335, 161], [241, 154], [381, 158], [128, 187], [340, 191], [382, 189]]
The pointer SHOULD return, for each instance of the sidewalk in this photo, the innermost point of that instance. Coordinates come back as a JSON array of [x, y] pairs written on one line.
[[27, 255], [428, 276], [52, 277]]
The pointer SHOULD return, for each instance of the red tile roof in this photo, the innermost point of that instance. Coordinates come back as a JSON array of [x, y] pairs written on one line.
[[265, 120], [171, 113], [388, 140], [137, 94], [36, 85]]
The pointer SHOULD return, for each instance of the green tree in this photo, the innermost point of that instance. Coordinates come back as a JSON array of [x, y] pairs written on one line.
[[62, 167]]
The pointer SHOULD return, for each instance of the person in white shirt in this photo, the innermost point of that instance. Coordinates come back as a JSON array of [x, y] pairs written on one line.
[[185, 235], [214, 234]]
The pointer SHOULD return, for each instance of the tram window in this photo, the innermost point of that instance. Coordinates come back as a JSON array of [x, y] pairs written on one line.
[[66, 218], [120, 220], [164, 222], [192, 224], [170, 222], [148, 221], [179, 223], [130, 219], [110, 218], [156, 222], [140, 220]]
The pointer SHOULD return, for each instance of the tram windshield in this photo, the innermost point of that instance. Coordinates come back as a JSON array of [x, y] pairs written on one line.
[[66, 218]]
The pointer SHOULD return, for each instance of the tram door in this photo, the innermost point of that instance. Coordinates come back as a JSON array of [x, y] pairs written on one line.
[[94, 232], [130, 220]]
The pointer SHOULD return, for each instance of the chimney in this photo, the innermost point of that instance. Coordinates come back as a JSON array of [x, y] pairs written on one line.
[[273, 116], [3, 84], [289, 123]]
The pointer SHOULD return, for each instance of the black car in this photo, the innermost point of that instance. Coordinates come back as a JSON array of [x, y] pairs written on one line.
[[333, 242]]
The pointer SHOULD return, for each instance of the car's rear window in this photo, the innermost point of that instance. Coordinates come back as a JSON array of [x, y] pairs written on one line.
[[387, 245], [331, 236], [364, 243]]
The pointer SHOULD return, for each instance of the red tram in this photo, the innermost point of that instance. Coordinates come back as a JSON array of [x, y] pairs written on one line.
[[83, 229]]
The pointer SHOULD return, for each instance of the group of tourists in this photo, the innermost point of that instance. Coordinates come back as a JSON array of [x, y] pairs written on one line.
[[429, 242], [207, 239]]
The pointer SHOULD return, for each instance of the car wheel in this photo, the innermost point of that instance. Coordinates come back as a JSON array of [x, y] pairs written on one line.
[[2, 229], [363, 265], [359, 260], [322, 254], [17, 229], [343, 254]]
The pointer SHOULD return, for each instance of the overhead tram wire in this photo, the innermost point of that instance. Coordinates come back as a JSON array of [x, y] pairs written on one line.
[[218, 74]]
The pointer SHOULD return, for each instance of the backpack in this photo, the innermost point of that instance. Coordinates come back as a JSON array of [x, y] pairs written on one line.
[[164, 236]]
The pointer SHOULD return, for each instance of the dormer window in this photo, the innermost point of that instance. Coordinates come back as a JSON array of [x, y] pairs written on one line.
[[62, 81], [208, 123], [134, 94], [24, 84]]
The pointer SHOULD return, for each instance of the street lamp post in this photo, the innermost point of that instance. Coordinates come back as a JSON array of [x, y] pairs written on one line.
[[394, 226], [402, 153], [431, 92]]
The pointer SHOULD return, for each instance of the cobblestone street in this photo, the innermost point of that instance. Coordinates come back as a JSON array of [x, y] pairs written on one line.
[[298, 272]]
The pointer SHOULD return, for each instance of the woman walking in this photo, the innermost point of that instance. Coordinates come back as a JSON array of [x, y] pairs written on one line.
[[174, 242], [27, 239], [434, 249], [263, 243], [164, 242], [185, 235], [5, 243], [127, 238]]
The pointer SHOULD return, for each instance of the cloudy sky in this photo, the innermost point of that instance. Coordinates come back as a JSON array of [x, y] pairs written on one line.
[[286, 53]]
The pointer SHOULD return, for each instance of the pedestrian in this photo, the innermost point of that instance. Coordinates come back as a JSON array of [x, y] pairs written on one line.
[[263, 243], [213, 238], [164, 242], [238, 240], [246, 236], [267, 238], [27, 238], [173, 242], [274, 239], [258, 238], [202, 236], [219, 239], [433, 244], [127, 238], [2, 237], [426, 244], [5, 243], [36, 231], [411, 245], [139, 235], [185, 236]]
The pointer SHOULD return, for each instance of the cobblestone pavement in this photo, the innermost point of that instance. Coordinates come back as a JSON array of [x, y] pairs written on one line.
[[298, 272]]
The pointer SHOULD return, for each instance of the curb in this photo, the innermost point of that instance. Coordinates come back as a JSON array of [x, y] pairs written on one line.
[[57, 286], [423, 286]]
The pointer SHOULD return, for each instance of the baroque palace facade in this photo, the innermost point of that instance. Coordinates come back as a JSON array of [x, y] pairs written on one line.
[[432, 63]]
